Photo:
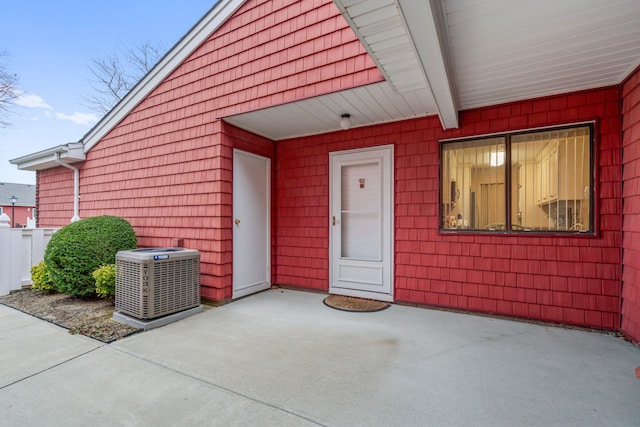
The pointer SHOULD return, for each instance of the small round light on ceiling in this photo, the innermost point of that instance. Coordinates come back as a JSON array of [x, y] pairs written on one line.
[[345, 121]]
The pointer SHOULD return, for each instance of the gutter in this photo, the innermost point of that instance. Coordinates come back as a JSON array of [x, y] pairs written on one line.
[[76, 186]]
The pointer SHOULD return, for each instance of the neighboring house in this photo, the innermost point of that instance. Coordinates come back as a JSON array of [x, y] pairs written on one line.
[[23, 211], [435, 153]]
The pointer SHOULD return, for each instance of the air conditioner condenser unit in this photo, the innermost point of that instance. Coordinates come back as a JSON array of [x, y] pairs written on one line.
[[155, 282]]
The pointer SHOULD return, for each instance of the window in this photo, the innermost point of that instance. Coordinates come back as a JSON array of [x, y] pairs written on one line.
[[538, 181]]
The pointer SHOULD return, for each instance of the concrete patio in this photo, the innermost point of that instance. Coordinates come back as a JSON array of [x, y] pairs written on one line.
[[282, 358]]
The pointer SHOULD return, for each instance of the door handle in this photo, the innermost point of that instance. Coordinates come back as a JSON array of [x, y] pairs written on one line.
[[236, 221]]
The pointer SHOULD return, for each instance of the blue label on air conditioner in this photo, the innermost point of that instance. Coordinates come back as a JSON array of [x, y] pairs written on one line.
[[157, 257]]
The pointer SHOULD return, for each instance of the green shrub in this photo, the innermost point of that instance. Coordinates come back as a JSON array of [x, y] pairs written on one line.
[[105, 278], [78, 249], [41, 281]]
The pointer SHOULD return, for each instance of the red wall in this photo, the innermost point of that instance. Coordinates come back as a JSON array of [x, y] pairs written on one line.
[[21, 213], [631, 206], [562, 279], [54, 199]]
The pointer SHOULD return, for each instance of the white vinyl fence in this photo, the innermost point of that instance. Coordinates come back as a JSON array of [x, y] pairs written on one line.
[[20, 248]]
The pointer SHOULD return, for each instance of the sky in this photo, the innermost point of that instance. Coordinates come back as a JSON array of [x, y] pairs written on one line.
[[50, 44]]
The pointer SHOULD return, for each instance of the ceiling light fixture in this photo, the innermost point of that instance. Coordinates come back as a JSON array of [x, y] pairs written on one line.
[[345, 121], [497, 158]]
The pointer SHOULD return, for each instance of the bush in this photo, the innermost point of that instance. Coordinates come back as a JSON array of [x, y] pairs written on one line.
[[41, 281], [105, 278], [78, 249]]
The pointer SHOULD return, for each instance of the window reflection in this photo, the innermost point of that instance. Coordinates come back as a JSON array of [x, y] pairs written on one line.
[[548, 187], [473, 193]]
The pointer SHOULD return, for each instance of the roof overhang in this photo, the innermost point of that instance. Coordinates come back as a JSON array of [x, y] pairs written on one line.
[[408, 43], [70, 153]]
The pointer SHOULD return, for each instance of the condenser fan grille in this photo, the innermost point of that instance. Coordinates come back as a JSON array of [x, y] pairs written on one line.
[[174, 285]]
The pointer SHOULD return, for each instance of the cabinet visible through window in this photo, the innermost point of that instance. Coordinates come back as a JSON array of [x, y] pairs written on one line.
[[538, 181]]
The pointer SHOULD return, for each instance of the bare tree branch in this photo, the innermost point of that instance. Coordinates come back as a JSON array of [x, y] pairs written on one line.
[[8, 92], [109, 86], [142, 58], [117, 74]]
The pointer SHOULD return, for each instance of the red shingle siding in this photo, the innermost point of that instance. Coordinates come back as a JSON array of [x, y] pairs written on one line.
[[167, 187], [631, 206], [268, 53], [54, 197], [302, 209], [562, 279]]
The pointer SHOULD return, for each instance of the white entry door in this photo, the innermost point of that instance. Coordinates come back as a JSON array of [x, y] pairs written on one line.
[[251, 223], [361, 223]]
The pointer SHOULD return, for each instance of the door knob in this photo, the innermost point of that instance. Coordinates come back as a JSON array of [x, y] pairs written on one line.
[[236, 221]]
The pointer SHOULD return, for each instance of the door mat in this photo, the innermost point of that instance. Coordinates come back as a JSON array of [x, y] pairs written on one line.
[[344, 303]]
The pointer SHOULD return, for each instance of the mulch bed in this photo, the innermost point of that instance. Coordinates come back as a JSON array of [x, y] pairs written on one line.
[[86, 316]]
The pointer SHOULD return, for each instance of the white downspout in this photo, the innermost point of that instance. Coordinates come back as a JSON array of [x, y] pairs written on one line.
[[76, 187]]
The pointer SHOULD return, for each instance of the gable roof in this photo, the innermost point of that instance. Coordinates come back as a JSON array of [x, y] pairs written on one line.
[[25, 193], [437, 57]]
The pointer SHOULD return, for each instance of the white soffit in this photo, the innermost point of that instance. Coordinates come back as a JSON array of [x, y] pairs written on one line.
[[505, 50], [370, 104], [406, 40], [380, 27]]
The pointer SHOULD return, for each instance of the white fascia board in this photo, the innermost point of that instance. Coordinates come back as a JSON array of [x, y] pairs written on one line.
[[342, 7], [425, 23], [200, 32], [46, 159], [74, 150]]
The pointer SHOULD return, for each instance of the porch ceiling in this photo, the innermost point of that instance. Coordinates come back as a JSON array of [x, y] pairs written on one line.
[[442, 56], [370, 104], [504, 50]]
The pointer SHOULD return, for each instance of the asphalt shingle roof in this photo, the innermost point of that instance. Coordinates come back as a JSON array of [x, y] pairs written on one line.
[[25, 193]]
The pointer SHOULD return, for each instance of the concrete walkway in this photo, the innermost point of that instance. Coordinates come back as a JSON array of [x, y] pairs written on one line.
[[281, 358]]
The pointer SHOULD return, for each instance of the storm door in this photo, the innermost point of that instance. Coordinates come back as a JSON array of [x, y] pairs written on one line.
[[361, 223]]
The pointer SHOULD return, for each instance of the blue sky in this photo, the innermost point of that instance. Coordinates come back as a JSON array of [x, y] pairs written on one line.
[[50, 44]]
